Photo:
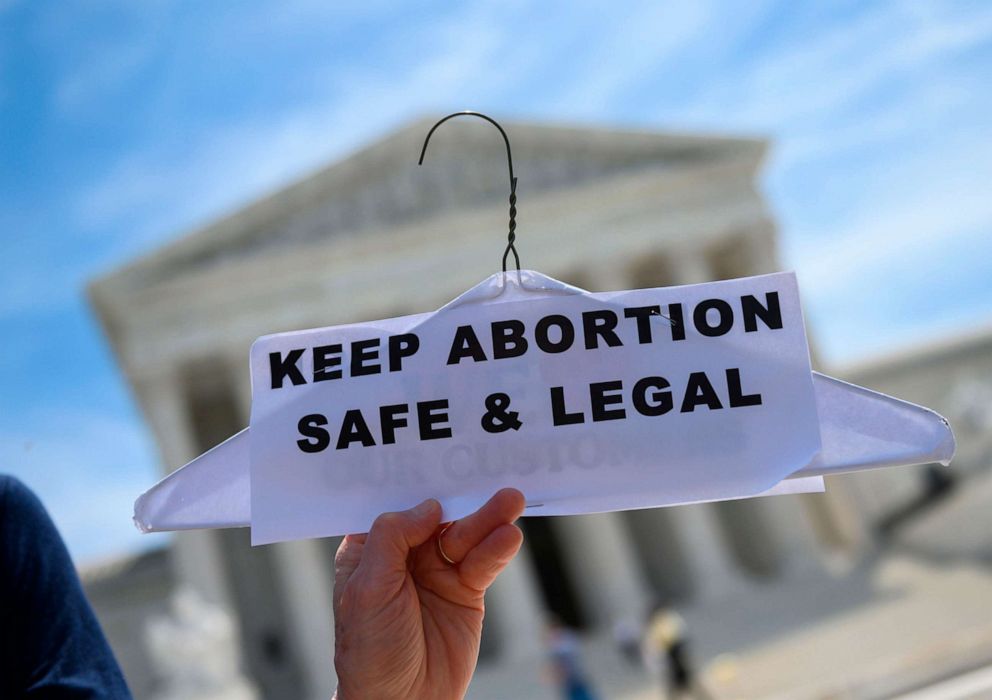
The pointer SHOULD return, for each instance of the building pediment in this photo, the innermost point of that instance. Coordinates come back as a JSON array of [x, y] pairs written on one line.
[[380, 184]]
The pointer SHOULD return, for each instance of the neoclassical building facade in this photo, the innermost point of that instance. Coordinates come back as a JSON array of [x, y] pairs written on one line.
[[374, 236]]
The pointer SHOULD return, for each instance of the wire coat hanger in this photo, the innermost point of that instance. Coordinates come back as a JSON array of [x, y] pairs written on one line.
[[512, 235]]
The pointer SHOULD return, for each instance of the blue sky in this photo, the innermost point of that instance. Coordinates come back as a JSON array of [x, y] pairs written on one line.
[[124, 124]]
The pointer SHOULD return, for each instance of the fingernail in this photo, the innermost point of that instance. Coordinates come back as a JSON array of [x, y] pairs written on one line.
[[424, 508]]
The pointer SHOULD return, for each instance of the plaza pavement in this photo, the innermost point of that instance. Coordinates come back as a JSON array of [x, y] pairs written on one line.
[[895, 625]]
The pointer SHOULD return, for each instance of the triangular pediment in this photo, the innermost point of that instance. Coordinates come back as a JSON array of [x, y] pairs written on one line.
[[380, 185]]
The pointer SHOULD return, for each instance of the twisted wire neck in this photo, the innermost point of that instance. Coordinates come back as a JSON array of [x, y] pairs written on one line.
[[512, 236]]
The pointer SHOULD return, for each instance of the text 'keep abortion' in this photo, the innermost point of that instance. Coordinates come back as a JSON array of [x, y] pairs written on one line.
[[551, 334], [510, 338]]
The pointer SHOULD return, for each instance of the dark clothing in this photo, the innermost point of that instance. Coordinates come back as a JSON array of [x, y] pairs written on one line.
[[679, 675], [577, 690], [51, 645]]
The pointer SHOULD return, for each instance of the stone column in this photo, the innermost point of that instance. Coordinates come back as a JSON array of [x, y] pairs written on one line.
[[655, 537], [195, 554], [788, 520], [514, 609], [793, 533], [239, 374], [843, 527], [604, 567], [306, 585], [305, 581], [714, 572]]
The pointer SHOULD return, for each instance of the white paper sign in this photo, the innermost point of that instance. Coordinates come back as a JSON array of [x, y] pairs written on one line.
[[650, 397]]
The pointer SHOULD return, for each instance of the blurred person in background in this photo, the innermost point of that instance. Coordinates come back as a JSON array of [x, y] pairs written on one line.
[[565, 663], [666, 650], [627, 635]]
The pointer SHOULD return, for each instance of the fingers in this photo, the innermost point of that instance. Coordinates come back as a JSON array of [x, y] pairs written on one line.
[[393, 535], [349, 554], [466, 534], [482, 564], [346, 560]]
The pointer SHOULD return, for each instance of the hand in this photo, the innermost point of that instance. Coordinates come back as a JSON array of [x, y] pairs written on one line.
[[407, 623]]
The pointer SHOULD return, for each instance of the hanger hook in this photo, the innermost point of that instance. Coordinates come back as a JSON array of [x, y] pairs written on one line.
[[512, 236]]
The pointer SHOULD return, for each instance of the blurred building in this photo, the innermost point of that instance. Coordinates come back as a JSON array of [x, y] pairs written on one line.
[[374, 236], [127, 592], [940, 513]]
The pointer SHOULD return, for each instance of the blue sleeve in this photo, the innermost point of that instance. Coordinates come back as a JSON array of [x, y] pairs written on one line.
[[51, 645]]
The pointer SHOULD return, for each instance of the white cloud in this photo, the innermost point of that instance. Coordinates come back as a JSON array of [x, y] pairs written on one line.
[[93, 79], [641, 44], [926, 187], [806, 86], [163, 188], [845, 267], [921, 226]]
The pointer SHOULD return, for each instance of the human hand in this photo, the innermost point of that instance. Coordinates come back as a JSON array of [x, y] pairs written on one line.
[[407, 623]]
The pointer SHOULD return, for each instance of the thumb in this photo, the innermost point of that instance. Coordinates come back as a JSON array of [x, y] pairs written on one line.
[[393, 535]]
